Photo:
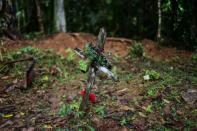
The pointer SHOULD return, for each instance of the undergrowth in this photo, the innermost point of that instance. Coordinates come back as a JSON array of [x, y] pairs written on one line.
[[158, 103]]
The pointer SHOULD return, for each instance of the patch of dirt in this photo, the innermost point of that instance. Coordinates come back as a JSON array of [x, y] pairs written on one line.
[[107, 125]]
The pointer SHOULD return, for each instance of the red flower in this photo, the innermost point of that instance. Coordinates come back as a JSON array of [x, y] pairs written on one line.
[[82, 93], [92, 96]]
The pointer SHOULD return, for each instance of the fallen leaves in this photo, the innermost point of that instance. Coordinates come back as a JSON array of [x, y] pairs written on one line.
[[142, 114], [47, 126], [126, 108]]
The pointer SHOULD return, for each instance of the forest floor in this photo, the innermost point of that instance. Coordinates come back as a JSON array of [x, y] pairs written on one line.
[[167, 100]]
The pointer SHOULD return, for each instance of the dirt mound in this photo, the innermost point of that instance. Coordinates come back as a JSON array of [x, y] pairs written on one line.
[[119, 46], [71, 40]]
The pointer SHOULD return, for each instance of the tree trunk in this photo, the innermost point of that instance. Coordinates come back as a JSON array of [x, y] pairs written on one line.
[[174, 18], [193, 26], [59, 15], [159, 22], [39, 16]]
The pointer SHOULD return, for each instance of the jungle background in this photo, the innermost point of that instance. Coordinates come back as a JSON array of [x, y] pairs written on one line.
[[153, 48]]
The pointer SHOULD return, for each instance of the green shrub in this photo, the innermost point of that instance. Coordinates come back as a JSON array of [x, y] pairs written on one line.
[[152, 91], [34, 35], [137, 50], [194, 57], [67, 109]]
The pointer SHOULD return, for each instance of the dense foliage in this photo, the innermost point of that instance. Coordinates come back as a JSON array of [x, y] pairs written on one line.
[[136, 19]]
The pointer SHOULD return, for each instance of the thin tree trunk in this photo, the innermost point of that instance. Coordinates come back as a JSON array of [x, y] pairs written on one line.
[[59, 15], [159, 22], [141, 18], [193, 27], [174, 18], [39, 16]]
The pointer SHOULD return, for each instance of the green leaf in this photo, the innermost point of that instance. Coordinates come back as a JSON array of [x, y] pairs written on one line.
[[123, 122], [100, 110], [45, 78], [8, 116], [83, 65], [149, 109], [154, 75]]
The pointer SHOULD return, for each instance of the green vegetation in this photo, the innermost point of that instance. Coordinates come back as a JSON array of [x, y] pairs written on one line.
[[50, 64], [71, 108], [194, 57], [34, 35], [155, 91], [100, 110], [83, 65], [178, 26], [70, 55], [128, 102], [152, 74], [137, 50]]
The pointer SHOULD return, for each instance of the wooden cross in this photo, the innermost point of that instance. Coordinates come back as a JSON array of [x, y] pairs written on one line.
[[97, 62]]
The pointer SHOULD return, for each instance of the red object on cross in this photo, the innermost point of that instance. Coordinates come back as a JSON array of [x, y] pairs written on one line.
[[92, 96]]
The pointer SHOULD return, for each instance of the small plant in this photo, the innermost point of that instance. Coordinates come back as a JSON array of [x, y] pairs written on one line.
[[100, 110], [29, 49], [26, 50], [34, 35], [149, 108], [115, 70], [194, 57], [137, 50], [123, 121], [67, 109], [70, 55], [64, 110], [152, 92], [127, 77], [116, 58], [151, 75]]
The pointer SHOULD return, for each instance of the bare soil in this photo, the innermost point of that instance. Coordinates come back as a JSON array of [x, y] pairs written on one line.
[[119, 46]]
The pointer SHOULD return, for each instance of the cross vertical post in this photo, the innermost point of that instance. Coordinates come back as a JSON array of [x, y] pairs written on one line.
[[91, 80], [98, 62]]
